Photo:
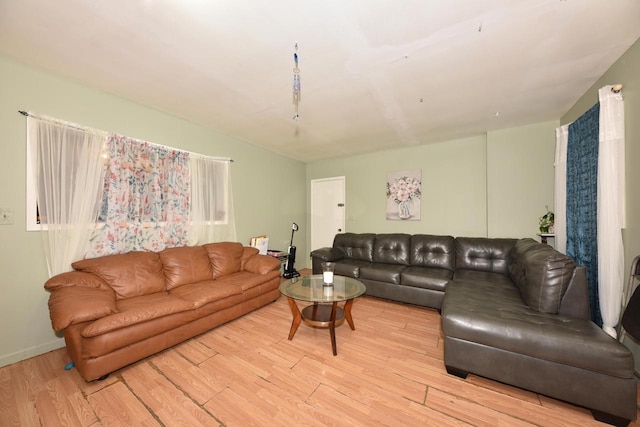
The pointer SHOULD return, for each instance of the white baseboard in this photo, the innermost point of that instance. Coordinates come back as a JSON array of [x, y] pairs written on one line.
[[8, 359]]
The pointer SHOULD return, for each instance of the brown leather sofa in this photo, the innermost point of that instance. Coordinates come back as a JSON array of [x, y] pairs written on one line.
[[118, 309], [513, 310]]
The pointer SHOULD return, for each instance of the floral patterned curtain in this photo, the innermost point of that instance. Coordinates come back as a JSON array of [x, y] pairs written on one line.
[[146, 199]]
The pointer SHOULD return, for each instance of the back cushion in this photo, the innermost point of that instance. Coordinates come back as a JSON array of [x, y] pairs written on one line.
[[225, 257], [188, 264], [355, 246], [541, 273], [392, 248], [433, 251], [129, 275], [247, 252], [484, 254]]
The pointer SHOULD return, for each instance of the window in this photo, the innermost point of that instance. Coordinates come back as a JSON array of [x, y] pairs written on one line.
[[64, 167], [210, 189], [151, 196]]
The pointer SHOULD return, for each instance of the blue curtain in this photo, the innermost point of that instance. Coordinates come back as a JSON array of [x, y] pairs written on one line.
[[582, 200]]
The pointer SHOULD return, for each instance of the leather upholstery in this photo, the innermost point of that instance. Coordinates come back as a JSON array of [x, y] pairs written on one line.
[[391, 249], [474, 276], [575, 302], [433, 251], [484, 254], [77, 278], [355, 246], [513, 310], [129, 275], [388, 273], [225, 257], [541, 274], [426, 277], [350, 267], [111, 316], [78, 304], [205, 292], [494, 314], [630, 317], [136, 310], [185, 265], [490, 331]]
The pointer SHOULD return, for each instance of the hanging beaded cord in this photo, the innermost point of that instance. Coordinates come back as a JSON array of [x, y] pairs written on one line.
[[296, 83]]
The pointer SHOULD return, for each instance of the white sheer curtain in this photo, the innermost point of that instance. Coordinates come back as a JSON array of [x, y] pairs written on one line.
[[69, 172], [212, 217], [560, 190], [611, 190]]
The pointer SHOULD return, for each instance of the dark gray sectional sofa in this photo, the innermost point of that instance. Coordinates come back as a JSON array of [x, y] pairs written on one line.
[[513, 310]]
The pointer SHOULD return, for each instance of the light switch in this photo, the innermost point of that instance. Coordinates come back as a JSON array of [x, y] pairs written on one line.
[[6, 216]]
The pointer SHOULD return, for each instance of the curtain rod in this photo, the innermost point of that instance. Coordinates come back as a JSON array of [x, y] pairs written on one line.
[[57, 121], [80, 127]]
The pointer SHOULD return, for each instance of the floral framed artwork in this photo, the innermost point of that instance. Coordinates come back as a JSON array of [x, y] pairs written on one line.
[[404, 191]]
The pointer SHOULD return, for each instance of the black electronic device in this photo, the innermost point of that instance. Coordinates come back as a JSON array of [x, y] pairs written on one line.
[[289, 270]]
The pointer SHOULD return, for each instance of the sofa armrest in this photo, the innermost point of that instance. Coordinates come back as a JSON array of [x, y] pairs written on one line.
[[324, 254], [261, 264], [575, 302], [76, 278], [328, 254], [69, 305]]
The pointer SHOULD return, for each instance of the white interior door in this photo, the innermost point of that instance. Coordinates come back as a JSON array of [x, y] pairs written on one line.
[[327, 210]]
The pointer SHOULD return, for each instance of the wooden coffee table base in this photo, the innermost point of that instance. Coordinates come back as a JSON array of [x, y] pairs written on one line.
[[321, 316]]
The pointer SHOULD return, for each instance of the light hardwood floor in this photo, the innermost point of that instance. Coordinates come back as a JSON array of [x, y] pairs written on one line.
[[389, 371]]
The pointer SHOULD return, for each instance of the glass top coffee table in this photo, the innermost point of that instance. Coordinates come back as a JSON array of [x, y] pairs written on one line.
[[324, 311]]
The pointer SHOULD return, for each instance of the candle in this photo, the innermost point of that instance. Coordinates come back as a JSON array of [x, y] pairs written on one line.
[[327, 276]]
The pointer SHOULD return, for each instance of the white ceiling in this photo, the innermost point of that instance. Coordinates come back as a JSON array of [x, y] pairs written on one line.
[[374, 74]]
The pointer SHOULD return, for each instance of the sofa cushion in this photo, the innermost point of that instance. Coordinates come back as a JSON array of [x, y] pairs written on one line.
[[475, 276], [248, 253], [433, 251], [245, 280], [355, 246], [141, 319], [541, 273], [389, 273], [225, 257], [484, 254], [493, 314], [129, 275], [426, 277], [137, 310], [183, 265], [350, 267], [392, 248], [204, 292], [261, 264]]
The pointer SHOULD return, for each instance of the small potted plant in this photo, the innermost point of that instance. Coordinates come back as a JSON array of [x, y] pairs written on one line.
[[546, 222]]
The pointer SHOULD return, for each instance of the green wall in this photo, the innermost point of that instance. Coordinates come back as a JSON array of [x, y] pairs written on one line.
[[520, 177], [262, 205], [494, 185], [453, 189], [625, 71]]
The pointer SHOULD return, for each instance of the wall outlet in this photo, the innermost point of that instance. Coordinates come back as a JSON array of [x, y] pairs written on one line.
[[6, 216]]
